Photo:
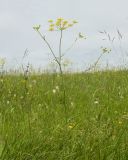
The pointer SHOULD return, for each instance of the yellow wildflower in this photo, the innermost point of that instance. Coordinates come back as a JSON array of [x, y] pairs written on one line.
[[71, 125], [51, 29], [65, 23], [60, 19], [50, 21], [51, 25], [58, 23], [70, 25], [75, 22]]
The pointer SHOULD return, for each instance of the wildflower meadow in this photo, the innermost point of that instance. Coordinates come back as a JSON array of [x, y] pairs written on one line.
[[63, 115]]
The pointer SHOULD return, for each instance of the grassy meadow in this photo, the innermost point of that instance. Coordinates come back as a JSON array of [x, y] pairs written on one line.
[[80, 116]]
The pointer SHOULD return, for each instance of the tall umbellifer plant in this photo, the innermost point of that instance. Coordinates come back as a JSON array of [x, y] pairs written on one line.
[[59, 25]]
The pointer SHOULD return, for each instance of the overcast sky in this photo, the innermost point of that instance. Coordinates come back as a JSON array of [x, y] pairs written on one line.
[[17, 18]]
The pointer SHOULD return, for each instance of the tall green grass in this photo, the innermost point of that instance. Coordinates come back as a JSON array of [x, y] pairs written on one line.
[[32, 117]]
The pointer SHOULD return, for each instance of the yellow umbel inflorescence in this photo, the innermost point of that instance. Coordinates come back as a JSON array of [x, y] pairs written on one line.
[[60, 24]]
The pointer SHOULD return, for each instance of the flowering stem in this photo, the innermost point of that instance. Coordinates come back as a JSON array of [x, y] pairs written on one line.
[[49, 47], [60, 51], [60, 45]]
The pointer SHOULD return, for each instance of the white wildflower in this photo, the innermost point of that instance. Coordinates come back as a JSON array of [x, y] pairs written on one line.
[[8, 102], [96, 102], [57, 87], [72, 104], [54, 91]]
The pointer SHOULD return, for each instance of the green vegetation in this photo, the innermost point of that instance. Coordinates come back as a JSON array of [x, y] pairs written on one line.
[[85, 118]]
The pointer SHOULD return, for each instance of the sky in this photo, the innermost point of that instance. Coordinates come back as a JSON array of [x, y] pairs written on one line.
[[17, 18]]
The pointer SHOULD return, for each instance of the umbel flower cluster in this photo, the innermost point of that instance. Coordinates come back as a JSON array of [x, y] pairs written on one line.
[[59, 24]]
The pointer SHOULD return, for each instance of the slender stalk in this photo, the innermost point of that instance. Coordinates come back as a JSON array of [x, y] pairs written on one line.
[[60, 51], [95, 64], [69, 48], [59, 62], [62, 76], [60, 44], [43, 37]]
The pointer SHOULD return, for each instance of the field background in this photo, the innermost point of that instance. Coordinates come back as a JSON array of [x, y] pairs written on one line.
[[83, 116]]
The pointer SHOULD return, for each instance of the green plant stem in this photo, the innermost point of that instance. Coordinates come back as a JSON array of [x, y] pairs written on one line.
[[60, 51], [95, 64], [60, 45], [69, 48], [43, 37]]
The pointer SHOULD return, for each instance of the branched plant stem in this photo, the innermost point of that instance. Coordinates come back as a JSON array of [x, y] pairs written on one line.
[[55, 57], [95, 64], [69, 48]]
